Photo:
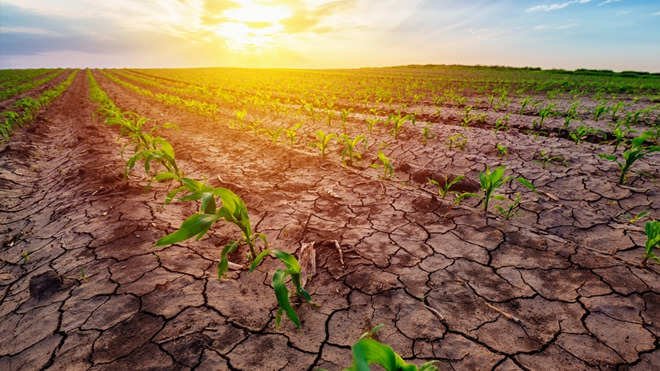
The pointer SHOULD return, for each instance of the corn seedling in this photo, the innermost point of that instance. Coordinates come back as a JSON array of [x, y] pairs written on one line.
[[309, 108], [548, 159], [467, 119], [83, 275], [367, 351], [502, 150], [240, 116], [233, 210], [371, 123], [652, 229], [324, 139], [397, 123], [455, 141], [600, 110], [426, 134], [292, 133], [580, 134], [282, 293], [634, 219], [350, 147], [501, 124], [444, 189], [343, 114], [524, 104], [508, 212], [385, 163], [490, 182], [637, 150], [544, 112]]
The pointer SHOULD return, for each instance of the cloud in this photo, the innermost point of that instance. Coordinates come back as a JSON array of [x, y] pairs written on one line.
[[26, 30], [608, 2], [556, 6], [307, 19], [567, 26]]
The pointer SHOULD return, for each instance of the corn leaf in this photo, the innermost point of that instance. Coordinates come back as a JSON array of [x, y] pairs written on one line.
[[196, 225], [282, 295]]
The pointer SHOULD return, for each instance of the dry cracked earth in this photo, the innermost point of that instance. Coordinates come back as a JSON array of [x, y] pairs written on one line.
[[559, 286]]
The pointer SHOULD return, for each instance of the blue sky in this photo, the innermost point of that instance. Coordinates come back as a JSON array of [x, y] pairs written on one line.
[[605, 34]]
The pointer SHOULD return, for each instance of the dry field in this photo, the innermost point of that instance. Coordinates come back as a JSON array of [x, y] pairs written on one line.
[[543, 269]]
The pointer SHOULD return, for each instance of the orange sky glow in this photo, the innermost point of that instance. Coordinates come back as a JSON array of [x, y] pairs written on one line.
[[609, 34]]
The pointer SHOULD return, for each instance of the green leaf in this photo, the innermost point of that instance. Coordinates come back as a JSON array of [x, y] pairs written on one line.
[[208, 205], [289, 260], [223, 264], [196, 225], [526, 183], [282, 295], [164, 176], [369, 351], [257, 260]]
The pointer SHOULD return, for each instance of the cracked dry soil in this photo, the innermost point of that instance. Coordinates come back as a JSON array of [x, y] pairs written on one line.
[[557, 287]]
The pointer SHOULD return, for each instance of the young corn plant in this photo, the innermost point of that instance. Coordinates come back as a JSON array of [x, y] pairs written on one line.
[[292, 133], [324, 139], [490, 182], [509, 210], [343, 115], [544, 112], [240, 117], [232, 210], [501, 124], [634, 219], [580, 134], [637, 150], [385, 163], [282, 293], [368, 351], [467, 119], [397, 123], [445, 188], [426, 134], [502, 150], [457, 140], [350, 148], [548, 159], [652, 229]]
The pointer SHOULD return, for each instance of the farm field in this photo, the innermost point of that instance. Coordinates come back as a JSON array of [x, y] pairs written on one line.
[[382, 182]]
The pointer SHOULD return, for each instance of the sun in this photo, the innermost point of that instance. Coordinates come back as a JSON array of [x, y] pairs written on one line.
[[252, 25]]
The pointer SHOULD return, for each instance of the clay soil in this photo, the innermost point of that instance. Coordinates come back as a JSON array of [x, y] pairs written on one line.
[[558, 286]]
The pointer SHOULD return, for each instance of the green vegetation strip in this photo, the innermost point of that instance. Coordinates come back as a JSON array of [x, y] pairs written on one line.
[[30, 107], [192, 105], [17, 76], [13, 91]]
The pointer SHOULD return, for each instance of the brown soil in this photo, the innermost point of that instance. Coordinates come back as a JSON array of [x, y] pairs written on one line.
[[559, 286]]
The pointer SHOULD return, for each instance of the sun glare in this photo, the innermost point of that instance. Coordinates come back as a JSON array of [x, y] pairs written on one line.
[[252, 25]]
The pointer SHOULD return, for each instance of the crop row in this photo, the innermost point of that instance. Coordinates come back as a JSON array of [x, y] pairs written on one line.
[[17, 76], [29, 107], [18, 89]]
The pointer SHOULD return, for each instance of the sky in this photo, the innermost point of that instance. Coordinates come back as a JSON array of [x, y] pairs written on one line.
[[569, 34]]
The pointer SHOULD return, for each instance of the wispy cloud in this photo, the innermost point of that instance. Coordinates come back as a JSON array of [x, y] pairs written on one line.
[[567, 26], [656, 14], [555, 6], [608, 2], [26, 30]]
